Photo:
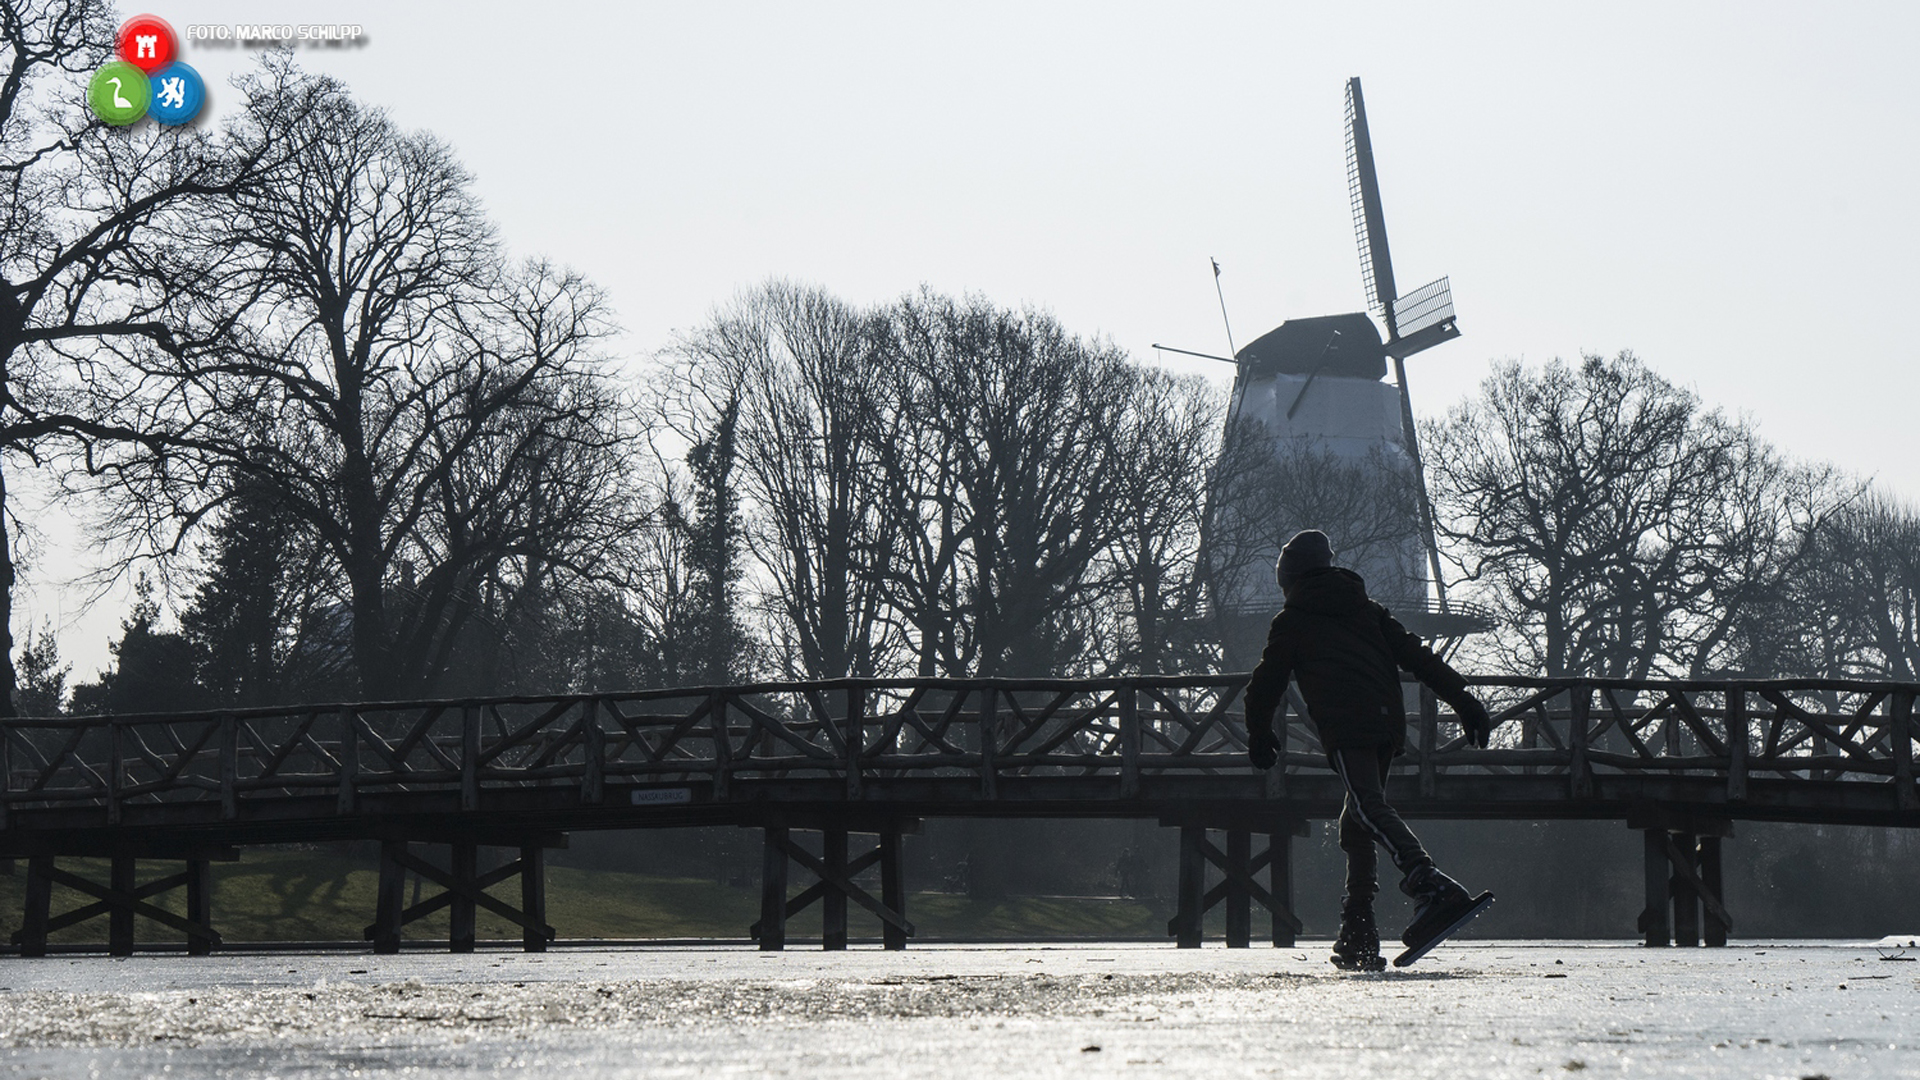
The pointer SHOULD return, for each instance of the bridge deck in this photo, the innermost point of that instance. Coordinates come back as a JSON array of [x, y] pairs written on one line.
[[1830, 751], [1678, 760]]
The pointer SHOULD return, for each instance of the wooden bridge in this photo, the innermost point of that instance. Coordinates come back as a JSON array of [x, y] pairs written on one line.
[[1680, 760]]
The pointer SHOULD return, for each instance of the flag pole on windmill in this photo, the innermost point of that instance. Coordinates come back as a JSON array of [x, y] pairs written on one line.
[[1231, 350]]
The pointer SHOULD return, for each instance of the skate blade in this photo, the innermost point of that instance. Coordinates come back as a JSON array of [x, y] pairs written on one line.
[[1480, 904], [1377, 963]]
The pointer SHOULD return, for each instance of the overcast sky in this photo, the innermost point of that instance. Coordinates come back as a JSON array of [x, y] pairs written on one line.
[[1725, 189]]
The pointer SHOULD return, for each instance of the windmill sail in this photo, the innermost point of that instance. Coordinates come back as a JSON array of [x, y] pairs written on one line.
[[1428, 309], [1363, 191], [1423, 318]]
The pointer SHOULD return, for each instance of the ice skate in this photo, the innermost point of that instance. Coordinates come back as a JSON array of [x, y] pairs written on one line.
[[1444, 907], [1358, 946]]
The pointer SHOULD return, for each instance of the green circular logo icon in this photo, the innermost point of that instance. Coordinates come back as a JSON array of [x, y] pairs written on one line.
[[118, 93]]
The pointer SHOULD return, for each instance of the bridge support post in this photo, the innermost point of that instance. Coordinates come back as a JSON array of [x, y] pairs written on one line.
[[833, 904], [533, 896], [33, 927], [387, 903], [1716, 928], [1686, 901], [120, 915], [893, 890], [1683, 874], [1239, 885], [200, 904], [834, 884], [464, 867], [1654, 917], [464, 890], [1187, 927], [772, 927], [122, 900], [1286, 925], [1239, 896]]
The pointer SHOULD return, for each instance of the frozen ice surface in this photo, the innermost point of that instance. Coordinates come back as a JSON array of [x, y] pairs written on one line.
[[1483, 1009]]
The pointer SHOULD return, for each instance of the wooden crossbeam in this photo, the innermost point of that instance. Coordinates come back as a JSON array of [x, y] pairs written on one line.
[[79, 915], [1685, 868], [525, 732], [938, 736], [454, 888], [844, 883], [419, 732], [574, 734], [1779, 722], [1086, 718], [806, 897], [1698, 725], [134, 738], [891, 723], [833, 887], [358, 731], [109, 899], [1816, 724], [817, 701], [1627, 730], [1175, 715], [677, 732], [277, 756], [186, 754], [1233, 879], [1533, 699], [1543, 724], [52, 762], [771, 726]]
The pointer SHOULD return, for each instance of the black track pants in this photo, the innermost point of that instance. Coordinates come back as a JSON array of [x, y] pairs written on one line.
[[1366, 820]]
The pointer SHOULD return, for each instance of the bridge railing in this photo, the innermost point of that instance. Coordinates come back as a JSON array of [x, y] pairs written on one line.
[[988, 732]]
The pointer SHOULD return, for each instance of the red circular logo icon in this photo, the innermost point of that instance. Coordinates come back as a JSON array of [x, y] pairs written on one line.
[[148, 43]]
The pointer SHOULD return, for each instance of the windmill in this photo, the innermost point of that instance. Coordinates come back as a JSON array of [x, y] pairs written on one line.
[[1315, 384]]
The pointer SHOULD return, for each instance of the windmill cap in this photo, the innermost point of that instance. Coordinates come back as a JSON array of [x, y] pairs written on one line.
[[1308, 550], [1343, 346]]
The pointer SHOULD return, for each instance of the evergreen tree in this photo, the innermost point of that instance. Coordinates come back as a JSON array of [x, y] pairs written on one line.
[[153, 669], [256, 638], [42, 687], [718, 652]]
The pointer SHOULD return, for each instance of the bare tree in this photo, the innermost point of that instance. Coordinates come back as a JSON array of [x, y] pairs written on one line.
[[946, 487], [75, 196], [1851, 606], [435, 417], [1003, 470], [1164, 446], [1762, 535], [1619, 527], [802, 368]]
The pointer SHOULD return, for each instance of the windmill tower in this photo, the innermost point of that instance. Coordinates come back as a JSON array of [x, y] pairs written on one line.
[[1342, 440]]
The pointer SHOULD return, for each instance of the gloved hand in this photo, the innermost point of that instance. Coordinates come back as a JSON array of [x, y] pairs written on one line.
[[1263, 748], [1474, 719]]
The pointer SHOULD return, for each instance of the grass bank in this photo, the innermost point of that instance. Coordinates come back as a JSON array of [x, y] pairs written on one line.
[[293, 895]]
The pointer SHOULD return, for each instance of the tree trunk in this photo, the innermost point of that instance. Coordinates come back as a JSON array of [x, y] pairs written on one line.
[[7, 674], [370, 653]]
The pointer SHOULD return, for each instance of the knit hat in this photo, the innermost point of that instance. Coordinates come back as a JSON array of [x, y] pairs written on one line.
[[1308, 550]]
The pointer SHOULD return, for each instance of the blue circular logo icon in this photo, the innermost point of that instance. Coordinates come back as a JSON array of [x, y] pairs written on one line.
[[177, 94]]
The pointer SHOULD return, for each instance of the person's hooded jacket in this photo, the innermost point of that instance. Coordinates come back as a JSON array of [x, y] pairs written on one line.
[[1347, 652]]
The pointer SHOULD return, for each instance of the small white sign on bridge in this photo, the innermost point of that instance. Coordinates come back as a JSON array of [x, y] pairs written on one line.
[[673, 796]]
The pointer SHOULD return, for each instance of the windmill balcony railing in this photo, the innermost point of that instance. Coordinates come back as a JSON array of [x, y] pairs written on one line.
[[865, 733]]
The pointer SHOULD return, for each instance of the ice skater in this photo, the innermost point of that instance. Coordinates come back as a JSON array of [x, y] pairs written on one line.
[[1346, 652]]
